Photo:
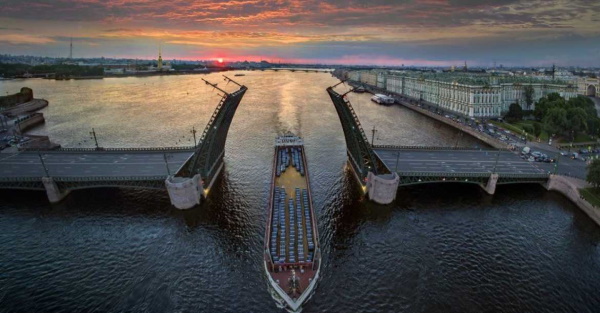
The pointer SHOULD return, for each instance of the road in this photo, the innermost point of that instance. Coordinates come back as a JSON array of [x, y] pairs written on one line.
[[458, 161], [91, 164]]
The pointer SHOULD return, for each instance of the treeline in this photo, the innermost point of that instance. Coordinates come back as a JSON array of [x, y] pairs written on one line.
[[60, 70], [567, 118], [557, 116]]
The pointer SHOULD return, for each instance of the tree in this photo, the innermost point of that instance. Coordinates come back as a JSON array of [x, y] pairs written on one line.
[[593, 125], [576, 118], [537, 129], [515, 113], [555, 121], [585, 103], [529, 95], [540, 109], [593, 175]]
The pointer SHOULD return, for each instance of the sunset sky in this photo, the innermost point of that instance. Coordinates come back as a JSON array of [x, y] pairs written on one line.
[[383, 32]]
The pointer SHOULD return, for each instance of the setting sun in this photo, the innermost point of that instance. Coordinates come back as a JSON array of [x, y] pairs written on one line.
[[220, 60]]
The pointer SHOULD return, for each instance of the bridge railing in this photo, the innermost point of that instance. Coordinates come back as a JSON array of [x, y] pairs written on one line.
[[467, 175], [118, 150], [447, 174], [395, 147], [84, 178]]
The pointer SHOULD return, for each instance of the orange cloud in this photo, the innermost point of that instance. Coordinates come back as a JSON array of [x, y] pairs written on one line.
[[25, 39]]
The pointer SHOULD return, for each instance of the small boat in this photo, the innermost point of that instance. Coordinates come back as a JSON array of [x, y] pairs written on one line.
[[240, 74], [359, 89], [383, 99]]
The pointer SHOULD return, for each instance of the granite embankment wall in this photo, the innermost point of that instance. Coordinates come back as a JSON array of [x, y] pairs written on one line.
[[570, 189], [486, 139], [24, 124], [25, 95], [30, 106]]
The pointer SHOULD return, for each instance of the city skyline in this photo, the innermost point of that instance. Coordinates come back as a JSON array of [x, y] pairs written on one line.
[[413, 33]]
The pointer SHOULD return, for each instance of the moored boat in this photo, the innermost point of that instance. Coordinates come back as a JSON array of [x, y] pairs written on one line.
[[382, 99]]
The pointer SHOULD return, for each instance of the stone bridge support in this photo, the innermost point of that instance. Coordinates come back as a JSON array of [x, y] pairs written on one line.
[[54, 193], [185, 193], [490, 188], [382, 188]]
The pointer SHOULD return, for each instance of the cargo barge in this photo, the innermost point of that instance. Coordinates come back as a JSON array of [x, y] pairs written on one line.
[[292, 257]]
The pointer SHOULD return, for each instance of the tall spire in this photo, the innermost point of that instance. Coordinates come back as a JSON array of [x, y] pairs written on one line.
[[71, 49], [159, 57]]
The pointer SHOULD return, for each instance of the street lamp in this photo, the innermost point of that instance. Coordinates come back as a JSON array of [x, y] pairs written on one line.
[[373, 136], [43, 165], [167, 163], [93, 133], [193, 131]]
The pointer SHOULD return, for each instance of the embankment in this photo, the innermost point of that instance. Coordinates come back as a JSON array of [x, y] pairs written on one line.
[[569, 187], [25, 95]]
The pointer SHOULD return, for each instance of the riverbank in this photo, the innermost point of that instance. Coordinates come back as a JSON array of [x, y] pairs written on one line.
[[571, 188], [413, 104], [20, 118]]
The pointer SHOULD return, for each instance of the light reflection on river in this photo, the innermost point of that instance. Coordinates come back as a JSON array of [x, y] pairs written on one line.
[[440, 248]]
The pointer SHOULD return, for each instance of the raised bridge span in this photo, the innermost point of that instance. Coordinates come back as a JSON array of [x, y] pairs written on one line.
[[187, 173], [382, 169]]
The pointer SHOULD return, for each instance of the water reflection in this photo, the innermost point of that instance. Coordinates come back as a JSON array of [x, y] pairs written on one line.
[[439, 248]]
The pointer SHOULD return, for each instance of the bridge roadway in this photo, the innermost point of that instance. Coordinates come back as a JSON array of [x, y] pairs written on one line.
[[457, 161], [90, 164]]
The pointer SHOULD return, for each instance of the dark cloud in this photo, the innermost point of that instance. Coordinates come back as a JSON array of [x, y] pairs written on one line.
[[11, 28], [476, 30]]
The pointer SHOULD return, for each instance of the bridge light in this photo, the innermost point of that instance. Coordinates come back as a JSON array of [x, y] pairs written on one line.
[[444, 179], [419, 179]]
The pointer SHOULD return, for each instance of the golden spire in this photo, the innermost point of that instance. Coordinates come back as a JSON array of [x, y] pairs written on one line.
[[159, 57]]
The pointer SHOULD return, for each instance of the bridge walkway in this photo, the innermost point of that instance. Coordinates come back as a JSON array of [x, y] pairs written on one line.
[[92, 164], [456, 161]]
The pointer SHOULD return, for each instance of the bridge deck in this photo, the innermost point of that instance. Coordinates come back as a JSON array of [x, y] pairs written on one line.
[[91, 164], [457, 161]]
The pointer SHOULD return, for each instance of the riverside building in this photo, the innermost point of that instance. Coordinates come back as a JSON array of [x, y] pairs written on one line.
[[466, 94]]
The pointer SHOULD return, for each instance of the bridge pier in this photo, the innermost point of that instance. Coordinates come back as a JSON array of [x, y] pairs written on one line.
[[382, 188], [184, 192], [54, 193], [490, 188]]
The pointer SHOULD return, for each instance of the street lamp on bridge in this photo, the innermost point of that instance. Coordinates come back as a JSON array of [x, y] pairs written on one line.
[[93, 134], [193, 131]]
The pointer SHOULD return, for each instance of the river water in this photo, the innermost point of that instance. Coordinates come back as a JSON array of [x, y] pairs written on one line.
[[439, 248]]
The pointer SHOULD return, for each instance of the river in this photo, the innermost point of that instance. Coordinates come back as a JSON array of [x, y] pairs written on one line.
[[439, 248]]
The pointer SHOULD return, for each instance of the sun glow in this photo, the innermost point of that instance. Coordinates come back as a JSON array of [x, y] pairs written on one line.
[[220, 60]]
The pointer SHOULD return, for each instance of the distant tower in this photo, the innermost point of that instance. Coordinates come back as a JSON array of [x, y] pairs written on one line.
[[465, 68], [553, 71], [71, 49], [159, 66]]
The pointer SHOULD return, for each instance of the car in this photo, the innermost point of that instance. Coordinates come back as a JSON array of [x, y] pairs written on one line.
[[574, 156], [531, 159]]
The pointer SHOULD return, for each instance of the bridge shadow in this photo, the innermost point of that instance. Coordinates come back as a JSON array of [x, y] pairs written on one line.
[[97, 201], [226, 216], [348, 212]]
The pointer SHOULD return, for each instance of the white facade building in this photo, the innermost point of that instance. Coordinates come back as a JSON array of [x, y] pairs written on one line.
[[468, 99]]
